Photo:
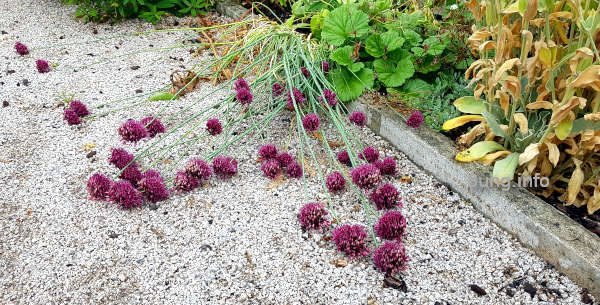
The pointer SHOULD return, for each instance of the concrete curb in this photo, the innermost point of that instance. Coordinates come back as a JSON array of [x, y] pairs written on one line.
[[554, 236], [230, 8]]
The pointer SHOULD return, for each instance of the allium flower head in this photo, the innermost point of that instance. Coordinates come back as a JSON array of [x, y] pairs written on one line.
[[369, 154], [311, 122], [153, 126], [387, 166], [71, 117], [366, 176], [335, 182], [277, 89], [151, 173], [42, 66], [79, 108], [132, 131], [330, 97], [305, 71], [98, 186], [185, 182], [415, 119], [358, 118], [386, 197], [284, 159], [325, 66], [153, 187], [390, 258], [313, 216], [271, 168], [125, 195], [132, 174], [224, 166], [351, 240], [244, 96], [344, 158], [214, 127], [21, 48], [294, 170], [267, 151], [240, 84], [120, 158], [391, 226], [198, 168], [294, 98]]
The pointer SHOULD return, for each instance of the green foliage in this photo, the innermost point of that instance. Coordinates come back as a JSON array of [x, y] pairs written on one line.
[[149, 10]]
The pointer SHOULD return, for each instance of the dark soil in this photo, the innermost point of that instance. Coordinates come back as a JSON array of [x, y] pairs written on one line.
[[590, 222]]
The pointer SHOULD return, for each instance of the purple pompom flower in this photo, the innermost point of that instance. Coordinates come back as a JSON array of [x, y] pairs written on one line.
[[267, 151], [344, 158], [277, 89], [271, 168], [214, 127], [153, 125], [185, 182], [21, 48], [244, 96], [390, 258], [386, 197], [98, 186], [391, 226], [199, 169], [284, 159], [305, 71], [369, 154], [311, 122], [330, 97], [366, 176], [415, 119], [240, 84], [79, 108], [358, 118], [71, 117], [151, 173], [351, 240], [224, 166], [313, 216], [335, 182], [125, 195], [294, 98], [294, 170], [42, 66], [387, 166], [153, 186], [120, 158], [132, 174], [325, 66], [132, 131]]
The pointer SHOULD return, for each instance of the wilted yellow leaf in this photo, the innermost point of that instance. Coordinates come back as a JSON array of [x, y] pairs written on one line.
[[593, 203], [589, 78], [583, 57], [539, 105], [89, 146], [592, 116], [575, 183], [530, 152], [563, 129], [491, 158], [461, 120], [521, 120], [506, 66], [553, 153], [478, 151]]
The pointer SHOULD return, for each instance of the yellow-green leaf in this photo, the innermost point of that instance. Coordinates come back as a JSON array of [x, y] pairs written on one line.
[[505, 168], [461, 120], [563, 129], [469, 104], [478, 151], [162, 96]]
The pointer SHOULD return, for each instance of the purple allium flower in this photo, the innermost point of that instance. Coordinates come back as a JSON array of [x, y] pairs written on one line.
[[387, 166], [305, 72], [415, 119], [390, 258], [294, 98], [120, 158], [277, 89], [153, 186], [325, 66], [79, 108], [153, 125], [313, 216], [294, 170], [284, 159], [344, 158], [132, 174], [132, 131], [386, 197], [335, 182], [198, 168], [98, 186], [391, 226], [185, 182], [240, 84], [369, 154], [311, 122], [21, 48], [224, 166], [351, 240], [271, 168], [42, 66], [214, 127], [366, 176], [358, 118], [267, 151], [125, 195], [244, 96], [151, 173], [330, 97], [71, 117]]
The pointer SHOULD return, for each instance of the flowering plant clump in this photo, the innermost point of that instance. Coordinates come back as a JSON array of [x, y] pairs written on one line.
[[267, 151], [120, 157], [386, 197], [214, 127], [330, 97], [240, 84], [224, 166], [369, 154], [366, 176], [185, 182], [391, 226], [244, 96], [387, 166], [153, 126], [311, 122], [271, 168], [80, 108], [391, 258], [277, 89], [21, 48], [294, 98], [415, 119], [42, 66], [198, 169], [124, 194], [71, 117], [294, 170], [153, 187], [313, 216], [132, 131], [344, 158], [335, 182], [351, 240], [284, 159], [358, 118], [98, 186]]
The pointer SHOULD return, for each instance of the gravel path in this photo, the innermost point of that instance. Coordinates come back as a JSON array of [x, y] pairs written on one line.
[[236, 242]]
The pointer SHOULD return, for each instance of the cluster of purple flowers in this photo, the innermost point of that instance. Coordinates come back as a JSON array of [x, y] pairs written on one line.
[[214, 127], [313, 216], [224, 166], [415, 119], [41, 65], [358, 118], [294, 98], [75, 112], [243, 94], [134, 131], [274, 162], [311, 122], [351, 240], [335, 182]]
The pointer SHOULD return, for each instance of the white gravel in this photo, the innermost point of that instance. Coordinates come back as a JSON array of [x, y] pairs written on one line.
[[236, 242]]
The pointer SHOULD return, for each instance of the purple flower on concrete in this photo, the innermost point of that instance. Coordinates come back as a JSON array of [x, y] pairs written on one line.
[[325, 66], [390, 258], [387, 166], [294, 98], [391, 226], [277, 89], [79, 108], [305, 72], [21, 48], [330, 97], [240, 84], [42, 66], [267, 151], [132, 131], [351, 240], [386, 197], [98, 186], [132, 174], [71, 117], [369, 154], [415, 119], [313, 216], [214, 127], [123, 194], [335, 182], [344, 158], [153, 125], [153, 187], [120, 158], [294, 170], [358, 118], [244, 96], [311, 122], [199, 169], [224, 166], [284, 159], [271, 168], [185, 182], [366, 176]]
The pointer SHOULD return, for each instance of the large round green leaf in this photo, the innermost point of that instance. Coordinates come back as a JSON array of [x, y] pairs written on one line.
[[349, 85], [394, 73], [343, 23]]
